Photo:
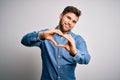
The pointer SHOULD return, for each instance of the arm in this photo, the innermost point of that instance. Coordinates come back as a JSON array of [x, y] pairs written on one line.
[[35, 38], [31, 39], [82, 56], [77, 48]]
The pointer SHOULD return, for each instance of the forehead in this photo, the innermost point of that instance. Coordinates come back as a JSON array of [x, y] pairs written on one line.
[[72, 15]]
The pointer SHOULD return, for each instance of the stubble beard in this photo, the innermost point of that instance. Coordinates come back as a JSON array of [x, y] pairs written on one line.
[[62, 28]]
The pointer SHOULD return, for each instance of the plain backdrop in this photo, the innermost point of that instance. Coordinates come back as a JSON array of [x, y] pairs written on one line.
[[99, 25]]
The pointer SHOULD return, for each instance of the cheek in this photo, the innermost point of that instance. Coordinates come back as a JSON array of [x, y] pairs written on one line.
[[64, 19], [73, 24]]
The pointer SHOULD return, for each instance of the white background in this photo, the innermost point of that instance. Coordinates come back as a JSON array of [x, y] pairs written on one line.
[[99, 25]]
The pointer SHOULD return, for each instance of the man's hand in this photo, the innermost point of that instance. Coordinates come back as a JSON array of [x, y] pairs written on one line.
[[49, 35], [70, 45]]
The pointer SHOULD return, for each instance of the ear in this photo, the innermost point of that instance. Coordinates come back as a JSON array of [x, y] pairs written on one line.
[[61, 15]]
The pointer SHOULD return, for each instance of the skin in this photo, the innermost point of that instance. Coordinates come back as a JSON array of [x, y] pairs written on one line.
[[67, 22]]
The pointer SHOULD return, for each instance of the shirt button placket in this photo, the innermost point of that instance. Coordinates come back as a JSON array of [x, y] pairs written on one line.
[[58, 77], [59, 57], [59, 67]]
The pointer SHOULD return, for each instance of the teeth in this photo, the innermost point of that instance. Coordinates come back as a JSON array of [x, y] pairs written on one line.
[[67, 26]]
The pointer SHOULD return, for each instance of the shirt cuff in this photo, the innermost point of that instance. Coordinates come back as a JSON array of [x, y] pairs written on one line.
[[38, 36], [78, 56]]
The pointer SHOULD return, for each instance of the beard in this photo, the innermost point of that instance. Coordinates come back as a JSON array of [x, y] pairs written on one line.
[[61, 27]]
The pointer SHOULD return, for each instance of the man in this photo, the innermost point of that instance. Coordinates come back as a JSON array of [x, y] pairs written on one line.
[[61, 49]]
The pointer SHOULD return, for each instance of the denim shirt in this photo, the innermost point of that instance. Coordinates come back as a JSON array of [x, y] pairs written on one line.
[[58, 63]]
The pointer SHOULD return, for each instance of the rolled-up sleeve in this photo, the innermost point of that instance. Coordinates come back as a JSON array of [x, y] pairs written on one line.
[[32, 39], [82, 56]]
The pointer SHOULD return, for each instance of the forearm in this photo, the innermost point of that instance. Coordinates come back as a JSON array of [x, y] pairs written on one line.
[[82, 57], [30, 39]]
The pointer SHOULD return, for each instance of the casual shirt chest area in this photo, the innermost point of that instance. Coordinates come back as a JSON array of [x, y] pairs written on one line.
[[61, 55], [59, 39]]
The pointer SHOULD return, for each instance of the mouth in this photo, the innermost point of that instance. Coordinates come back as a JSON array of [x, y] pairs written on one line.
[[67, 26]]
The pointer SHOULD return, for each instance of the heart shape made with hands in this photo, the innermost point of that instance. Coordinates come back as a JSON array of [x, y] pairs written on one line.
[[49, 35], [69, 45], [61, 45]]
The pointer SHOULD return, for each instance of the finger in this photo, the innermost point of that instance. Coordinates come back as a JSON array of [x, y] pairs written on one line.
[[57, 31], [66, 36], [64, 46], [51, 31], [54, 42], [60, 45]]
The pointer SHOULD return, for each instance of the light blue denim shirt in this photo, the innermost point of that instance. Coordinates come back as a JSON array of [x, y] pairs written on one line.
[[57, 63]]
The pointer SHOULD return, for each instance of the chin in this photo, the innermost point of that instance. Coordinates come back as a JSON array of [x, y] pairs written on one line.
[[66, 31], [63, 29]]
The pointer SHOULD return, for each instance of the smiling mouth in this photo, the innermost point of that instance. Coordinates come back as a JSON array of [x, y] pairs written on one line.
[[67, 26]]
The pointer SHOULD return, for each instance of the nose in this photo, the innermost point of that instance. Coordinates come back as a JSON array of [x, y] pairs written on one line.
[[70, 22]]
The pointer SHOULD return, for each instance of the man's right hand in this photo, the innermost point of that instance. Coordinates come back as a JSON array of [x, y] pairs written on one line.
[[48, 35]]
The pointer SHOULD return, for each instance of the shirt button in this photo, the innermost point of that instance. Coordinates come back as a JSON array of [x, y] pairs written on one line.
[[58, 77], [58, 66], [59, 56]]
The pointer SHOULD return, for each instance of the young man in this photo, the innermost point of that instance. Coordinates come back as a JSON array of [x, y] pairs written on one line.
[[61, 49]]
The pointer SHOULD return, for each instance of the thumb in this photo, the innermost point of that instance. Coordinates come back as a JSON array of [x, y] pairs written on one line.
[[61, 45], [54, 42]]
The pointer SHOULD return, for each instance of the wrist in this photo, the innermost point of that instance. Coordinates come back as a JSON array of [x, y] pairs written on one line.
[[41, 35], [74, 52]]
